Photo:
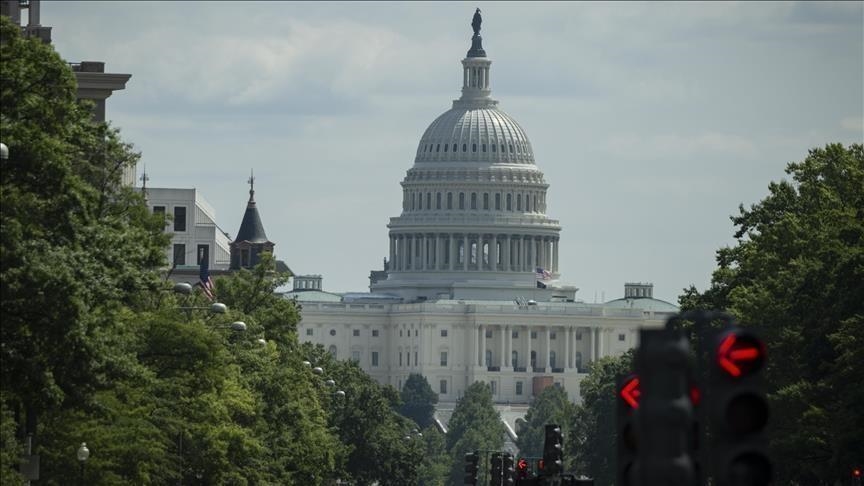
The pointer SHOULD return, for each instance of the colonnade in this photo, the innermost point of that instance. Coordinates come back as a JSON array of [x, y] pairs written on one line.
[[502, 337], [473, 252]]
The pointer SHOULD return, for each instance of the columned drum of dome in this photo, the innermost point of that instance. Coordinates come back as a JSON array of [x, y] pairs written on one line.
[[473, 221]]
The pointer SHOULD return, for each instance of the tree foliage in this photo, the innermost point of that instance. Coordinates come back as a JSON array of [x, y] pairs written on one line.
[[797, 272], [418, 400], [551, 406], [474, 425], [591, 443]]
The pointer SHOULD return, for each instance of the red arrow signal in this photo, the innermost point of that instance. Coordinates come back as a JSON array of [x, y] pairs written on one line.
[[630, 392], [740, 353]]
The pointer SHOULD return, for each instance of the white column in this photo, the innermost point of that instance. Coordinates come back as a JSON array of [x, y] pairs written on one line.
[[493, 253], [528, 349], [482, 346], [505, 254], [532, 254], [474, 344], [555, 255], [439, 258], [465, 78], [423, 252], [465, 252], [453, 250], [400, 252], [548, 364], [592, 344], [567, 360], [392, 254], [503, 347], [508, 350]]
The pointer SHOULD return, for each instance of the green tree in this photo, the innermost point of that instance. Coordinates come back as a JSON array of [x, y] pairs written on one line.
[[592, 442], [474, 425], [797, 272], [418, 400], [550, 407]]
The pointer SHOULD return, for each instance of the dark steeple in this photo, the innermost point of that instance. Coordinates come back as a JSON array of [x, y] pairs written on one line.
[[251, 229], [251, 239]]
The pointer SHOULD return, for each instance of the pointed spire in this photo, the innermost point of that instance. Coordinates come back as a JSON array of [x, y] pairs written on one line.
[[144, 179], [251, 228]]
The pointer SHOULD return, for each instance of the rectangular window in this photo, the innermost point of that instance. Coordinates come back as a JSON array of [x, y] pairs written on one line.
[[488, 333], [374, 332], [179, 254], [203, 254], [442, 387], [449, 200], [374, 358], [355, 355], [443, 332], [509, 202], [416, 362], [400, 332], [485, 201], [400, 358], [408, 358], [159, 210], [533, 334], [621, 337], [578, 336], [438, 201], [355, 332], [443, 358], [461, 200], [518, 387], [428, 200], [180, 218], [308, 332], [514, 334], [552, 335], [473, 200], [497, 201], [494, 387]]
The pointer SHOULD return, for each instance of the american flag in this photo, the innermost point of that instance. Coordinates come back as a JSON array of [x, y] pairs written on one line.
[[206, 281], [542, 274]]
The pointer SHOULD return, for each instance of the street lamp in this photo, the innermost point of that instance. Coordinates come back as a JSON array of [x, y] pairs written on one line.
[[83, 455]]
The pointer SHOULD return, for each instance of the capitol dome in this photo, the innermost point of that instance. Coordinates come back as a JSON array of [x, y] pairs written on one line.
[[475, 134], [473, 222]]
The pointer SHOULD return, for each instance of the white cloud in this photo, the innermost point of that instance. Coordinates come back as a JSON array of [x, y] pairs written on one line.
[[853, 124]]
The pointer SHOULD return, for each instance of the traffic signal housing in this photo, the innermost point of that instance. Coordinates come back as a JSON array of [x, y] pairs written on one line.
[[664, 419], [523, 468], [496, 471], [509, 470], [739, 410], [626, 402], [472, 462], [553, 451]]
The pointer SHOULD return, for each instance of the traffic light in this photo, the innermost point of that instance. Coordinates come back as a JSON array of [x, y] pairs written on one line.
[[523, 468], [664, 419], [626, 401], [856, 476], [496, 469], [509, 470], [739, 410], [553, 451], [472, 461]]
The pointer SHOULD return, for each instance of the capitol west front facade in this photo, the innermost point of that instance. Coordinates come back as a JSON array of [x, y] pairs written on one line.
[[459, 299]]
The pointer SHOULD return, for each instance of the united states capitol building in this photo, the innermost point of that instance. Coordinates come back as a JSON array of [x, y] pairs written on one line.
[[471, 289]]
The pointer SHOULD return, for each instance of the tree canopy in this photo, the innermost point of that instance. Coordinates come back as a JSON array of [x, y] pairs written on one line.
[[474, 425], [418, 400]]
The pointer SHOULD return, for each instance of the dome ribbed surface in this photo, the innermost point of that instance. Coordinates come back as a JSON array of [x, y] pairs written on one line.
[[475, 135]]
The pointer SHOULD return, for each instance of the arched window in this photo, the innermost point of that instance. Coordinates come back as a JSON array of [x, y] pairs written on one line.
[[577, 360], [497, 201], [464, 147], [509, 202], [473, 147], [484, 147], [494, 146], [445, 147], [449, 200], [473, 200], [332, 351], [438, 201], [428, 200], [473, 260], [420, 201], [485, 200], [514, 359], [488, 357], [455, 147], [438, 147], [518, 202], [511, 148], [503, 148], [552, 359], [461, 200]]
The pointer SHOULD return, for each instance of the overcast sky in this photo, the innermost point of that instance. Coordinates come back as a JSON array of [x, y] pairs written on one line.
[[651, 121]]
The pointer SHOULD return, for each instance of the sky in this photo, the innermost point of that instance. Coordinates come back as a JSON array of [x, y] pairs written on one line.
[[652, 122]]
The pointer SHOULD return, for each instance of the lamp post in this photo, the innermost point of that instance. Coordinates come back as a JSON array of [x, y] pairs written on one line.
[[83, 455]]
